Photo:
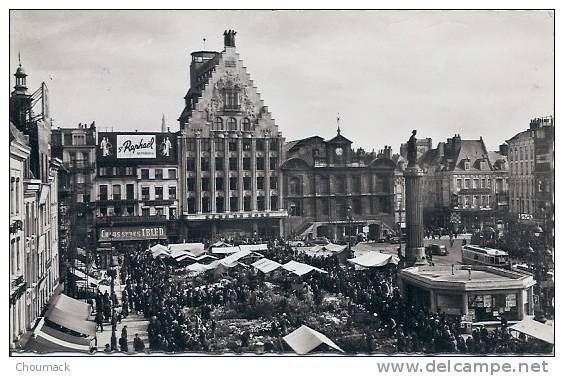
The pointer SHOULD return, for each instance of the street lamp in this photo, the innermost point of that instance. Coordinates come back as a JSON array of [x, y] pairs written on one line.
[[350, 218], [539, 273], [112, 268]]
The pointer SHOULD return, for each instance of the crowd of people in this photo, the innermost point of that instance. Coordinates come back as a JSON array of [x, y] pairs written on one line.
[[180, 309]]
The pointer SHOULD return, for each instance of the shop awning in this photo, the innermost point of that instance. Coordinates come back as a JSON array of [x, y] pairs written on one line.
[[300, 268], [45, 339], [71, 314], [195, 249], [304, 339], [266, 265], [535, 329], [231, 259], [253, 247], [225, 250], [220, 244], [374, 260], [82, 276]]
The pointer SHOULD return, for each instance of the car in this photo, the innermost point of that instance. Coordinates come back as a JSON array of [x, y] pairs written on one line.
[[296, 243], [436, 249], [320, 241], [394, 239]]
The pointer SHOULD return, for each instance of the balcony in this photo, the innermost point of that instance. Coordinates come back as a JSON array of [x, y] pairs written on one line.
[[131, 219], [475, 191], [75, 166], [106, 202]]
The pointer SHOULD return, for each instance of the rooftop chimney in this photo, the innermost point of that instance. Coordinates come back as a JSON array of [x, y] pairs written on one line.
[[441, 149], [388, 152], [229, 38]]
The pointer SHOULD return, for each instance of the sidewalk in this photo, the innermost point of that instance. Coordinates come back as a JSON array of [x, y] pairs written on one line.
[[135, 324]]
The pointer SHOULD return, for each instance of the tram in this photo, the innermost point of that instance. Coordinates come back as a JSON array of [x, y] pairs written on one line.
[[477, 255]]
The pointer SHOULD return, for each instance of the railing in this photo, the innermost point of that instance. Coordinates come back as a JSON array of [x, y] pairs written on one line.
[[79, 165], [131, 219]]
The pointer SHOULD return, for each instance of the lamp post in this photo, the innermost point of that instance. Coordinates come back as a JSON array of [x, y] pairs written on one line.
[[112, 271], [539, 273], [350, 218]]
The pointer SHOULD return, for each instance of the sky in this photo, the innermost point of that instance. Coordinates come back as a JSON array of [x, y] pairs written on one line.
[[474, 73]]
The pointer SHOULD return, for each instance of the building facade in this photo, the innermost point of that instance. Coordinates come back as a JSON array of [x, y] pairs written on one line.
[[34, 252], [543, 134], [330, 191], [136, 187], [531, 175], [521, 158], [231, 150], [465, 186], [76, 147]]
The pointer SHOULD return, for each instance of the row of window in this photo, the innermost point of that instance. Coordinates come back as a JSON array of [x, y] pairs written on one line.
[[219, 144], [233, 164], [340, 207], [146, 195], [231, 124], [474, 201], [129, 211], [146, 173], [233, 204], [233, 183], [522, 168], [520, 153], [323, 185], [522, 206]]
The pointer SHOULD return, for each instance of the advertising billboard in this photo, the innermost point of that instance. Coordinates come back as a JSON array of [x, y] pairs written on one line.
[[136, 148], [132, 233]]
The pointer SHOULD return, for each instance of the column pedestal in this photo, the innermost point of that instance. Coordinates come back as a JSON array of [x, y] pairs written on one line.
[[415, 248]]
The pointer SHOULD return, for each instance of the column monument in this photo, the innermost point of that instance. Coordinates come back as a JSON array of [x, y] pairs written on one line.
[[415, 249]]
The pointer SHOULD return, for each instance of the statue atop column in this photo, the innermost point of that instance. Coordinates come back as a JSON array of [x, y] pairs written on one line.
[[229, 38], [412, 150]]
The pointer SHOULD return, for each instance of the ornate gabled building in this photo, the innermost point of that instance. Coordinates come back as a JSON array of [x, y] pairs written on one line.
[[330, 188], [465, 185], [230, 152]]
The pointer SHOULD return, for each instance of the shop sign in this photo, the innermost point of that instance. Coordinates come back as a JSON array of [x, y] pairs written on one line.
[[132, 233]]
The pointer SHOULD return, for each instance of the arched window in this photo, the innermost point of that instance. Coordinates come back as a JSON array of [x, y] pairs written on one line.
[[232, 124], [218, 124], [246, 123], [294, 186]]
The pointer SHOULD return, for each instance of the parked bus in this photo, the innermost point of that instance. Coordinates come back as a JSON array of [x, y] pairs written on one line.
[[477, 255]]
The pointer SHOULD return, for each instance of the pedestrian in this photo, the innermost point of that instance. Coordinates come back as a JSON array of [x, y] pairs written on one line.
[[138, 344], [100, 320], [123, 343], [124, 331]]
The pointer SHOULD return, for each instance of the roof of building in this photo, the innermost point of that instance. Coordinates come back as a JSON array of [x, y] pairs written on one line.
[[339, 139], [291, 144], [522, 134], [475, 277], [458, 151], [15, 134]]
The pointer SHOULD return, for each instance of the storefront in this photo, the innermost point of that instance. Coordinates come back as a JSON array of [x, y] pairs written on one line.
[[477, 293]]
